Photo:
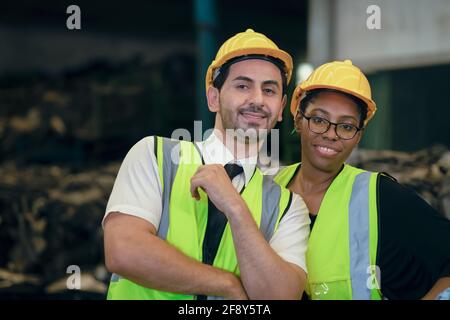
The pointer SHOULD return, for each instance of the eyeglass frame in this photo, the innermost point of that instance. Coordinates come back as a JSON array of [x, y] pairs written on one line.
[[329, 125]]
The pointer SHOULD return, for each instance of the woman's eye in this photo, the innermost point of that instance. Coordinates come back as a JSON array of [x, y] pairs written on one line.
[[317, 120], [348, 127]]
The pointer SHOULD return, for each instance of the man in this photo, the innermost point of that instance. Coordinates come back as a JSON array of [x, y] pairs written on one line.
[[180, 226], [371, 238]]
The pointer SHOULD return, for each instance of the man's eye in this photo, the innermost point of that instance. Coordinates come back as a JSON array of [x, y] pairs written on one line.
[[242, 86], [269, 91]]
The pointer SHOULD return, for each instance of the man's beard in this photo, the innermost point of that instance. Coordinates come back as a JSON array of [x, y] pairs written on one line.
[[230, 122], [253, 133]]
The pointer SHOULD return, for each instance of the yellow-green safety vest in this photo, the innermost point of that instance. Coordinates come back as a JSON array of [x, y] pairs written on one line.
[[342, 248], [183, 219]]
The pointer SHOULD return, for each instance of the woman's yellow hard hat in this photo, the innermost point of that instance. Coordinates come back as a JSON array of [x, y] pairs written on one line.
[[341, 76]]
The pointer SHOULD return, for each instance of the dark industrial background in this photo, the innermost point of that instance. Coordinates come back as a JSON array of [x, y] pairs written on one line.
[[72, 103]]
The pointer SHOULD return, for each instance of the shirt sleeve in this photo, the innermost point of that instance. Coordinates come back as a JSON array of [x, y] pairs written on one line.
[[137, 188], [413, 238], [291, 238]]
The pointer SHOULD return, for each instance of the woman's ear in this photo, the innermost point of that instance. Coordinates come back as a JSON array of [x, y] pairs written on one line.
[[359, 136], [297, 122], [212, 96]]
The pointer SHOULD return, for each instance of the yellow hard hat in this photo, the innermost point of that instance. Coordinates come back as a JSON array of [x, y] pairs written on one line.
[[341, 76], [248, 43]]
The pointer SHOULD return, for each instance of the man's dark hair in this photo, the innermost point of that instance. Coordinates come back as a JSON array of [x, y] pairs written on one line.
[[312, 94], [219, 80]]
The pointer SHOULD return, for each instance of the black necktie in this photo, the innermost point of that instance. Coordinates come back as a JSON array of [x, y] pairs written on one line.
[[216, 223], [233, 170]]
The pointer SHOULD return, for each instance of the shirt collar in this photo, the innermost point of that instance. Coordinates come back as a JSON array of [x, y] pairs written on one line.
[[214, 151]]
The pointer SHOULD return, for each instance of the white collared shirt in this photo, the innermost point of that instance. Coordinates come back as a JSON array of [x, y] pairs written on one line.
[[137, 191], [214, 151]]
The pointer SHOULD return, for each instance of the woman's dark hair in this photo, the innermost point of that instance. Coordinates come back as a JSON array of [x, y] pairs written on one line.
[[312, 94], [224, 70]]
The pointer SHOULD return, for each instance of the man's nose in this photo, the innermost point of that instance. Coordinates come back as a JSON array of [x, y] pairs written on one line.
[[257, 97]]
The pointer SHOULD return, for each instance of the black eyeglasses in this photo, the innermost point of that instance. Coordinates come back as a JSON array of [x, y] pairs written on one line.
[[321, 125]]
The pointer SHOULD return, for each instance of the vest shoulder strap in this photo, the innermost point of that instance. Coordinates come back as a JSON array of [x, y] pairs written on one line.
[[169, 153], [285, 174]]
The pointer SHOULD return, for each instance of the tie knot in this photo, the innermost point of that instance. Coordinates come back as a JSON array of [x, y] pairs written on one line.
[[233, 170]]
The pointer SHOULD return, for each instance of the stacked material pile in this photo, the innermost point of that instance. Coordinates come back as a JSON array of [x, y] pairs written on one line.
[[427, 171], [51, 219]]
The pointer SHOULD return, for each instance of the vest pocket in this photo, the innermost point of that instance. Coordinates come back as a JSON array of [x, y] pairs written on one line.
[[332, 290]]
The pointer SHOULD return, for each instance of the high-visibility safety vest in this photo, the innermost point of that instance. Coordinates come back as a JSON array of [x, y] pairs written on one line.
[[184, 219], [342, 247]]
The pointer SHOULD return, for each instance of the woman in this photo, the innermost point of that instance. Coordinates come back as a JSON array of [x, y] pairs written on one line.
[[371, 238]]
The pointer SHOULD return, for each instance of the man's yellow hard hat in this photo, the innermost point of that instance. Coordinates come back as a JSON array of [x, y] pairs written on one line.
[[341, 76], [248, 43]]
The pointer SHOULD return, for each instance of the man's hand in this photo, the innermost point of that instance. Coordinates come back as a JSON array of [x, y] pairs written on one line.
[[214, 180]]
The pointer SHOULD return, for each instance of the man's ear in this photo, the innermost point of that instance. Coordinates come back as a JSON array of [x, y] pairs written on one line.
[[283, 105], [212, 96]]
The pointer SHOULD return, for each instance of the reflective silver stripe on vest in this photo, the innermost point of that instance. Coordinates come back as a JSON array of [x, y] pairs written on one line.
[[270, 206], [171, 157], [359, 237]]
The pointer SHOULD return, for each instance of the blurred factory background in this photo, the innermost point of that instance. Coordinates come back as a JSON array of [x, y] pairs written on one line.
[[72, 102]]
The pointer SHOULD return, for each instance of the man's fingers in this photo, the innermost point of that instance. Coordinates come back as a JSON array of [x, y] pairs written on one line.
[[195, 194], [193, 189], [195, 184], [204, 176]]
